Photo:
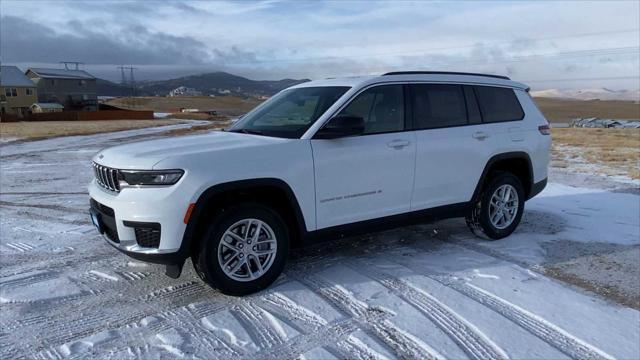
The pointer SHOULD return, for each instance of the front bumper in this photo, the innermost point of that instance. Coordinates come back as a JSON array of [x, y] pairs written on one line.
[[116, 214]]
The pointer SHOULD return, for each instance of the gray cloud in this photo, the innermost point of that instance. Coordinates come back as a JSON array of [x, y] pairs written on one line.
[[26, 41]]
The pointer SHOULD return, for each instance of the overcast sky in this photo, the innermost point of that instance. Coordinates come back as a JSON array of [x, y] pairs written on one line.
[[547, 44]]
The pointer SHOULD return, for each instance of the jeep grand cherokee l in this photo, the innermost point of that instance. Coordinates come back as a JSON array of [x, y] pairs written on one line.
[[321, 159]]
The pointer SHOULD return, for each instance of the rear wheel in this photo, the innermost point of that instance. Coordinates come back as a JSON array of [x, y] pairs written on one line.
[[499, 208], [244, 250]]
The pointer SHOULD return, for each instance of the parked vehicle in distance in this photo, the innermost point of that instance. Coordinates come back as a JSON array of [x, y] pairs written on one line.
[[322, 159]]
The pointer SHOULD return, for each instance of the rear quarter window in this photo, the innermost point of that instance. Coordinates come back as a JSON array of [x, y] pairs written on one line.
[[498, 104]]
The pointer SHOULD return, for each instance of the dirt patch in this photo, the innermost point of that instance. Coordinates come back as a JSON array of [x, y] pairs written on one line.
[[615, 151], [609, 270], [35, 130], [223, 105]]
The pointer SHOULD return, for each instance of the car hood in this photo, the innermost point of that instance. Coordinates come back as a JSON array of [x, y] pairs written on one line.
[[145, 154]]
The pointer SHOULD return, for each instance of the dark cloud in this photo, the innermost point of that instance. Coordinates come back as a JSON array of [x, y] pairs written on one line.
[[26, 41]]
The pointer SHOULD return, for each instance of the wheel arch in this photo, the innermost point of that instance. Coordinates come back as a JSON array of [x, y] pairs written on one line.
[[270, 191], [516, 162]]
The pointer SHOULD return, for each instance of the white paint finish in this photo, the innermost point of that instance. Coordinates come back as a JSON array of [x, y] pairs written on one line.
[[362, 177], [449, 163]]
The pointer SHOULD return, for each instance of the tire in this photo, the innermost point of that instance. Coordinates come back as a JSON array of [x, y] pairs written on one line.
[[479, 221], [245, 278]]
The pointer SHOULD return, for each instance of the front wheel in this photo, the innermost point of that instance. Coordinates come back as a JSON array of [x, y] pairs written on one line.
[[244, 250], [499, 208]]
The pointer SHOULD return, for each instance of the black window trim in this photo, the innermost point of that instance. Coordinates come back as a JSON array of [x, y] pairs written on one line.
[[482, 117], [348, 102], [408, 108]]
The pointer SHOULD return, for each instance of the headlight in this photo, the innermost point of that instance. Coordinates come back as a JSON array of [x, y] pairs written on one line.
[[149, 177]]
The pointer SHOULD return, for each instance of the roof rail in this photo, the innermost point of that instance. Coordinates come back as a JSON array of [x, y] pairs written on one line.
[[444, 73]]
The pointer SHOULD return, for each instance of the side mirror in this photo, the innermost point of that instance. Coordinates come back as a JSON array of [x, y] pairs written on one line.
[[341, 126]]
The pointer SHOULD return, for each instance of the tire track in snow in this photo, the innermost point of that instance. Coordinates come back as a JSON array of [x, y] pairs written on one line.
[[20, 246], [536, 325], [354, 348], [545, 330], [403, 344], [259, 328], [473, 342]]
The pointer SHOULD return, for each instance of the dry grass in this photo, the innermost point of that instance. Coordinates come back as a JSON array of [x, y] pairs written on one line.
[[563, 110], [32, 130], [224, 105], [616, 150]]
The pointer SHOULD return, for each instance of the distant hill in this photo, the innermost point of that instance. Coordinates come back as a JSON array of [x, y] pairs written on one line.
[[108, 88], [209, 83], [589, 94], [213, 83]]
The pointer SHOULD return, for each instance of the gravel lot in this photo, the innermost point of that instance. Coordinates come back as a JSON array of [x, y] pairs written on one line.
[[563, 286]]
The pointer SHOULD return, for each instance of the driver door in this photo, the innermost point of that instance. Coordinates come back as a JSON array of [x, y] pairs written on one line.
[[371, 175]]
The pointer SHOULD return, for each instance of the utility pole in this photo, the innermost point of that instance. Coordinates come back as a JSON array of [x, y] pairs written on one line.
[[131, 80]]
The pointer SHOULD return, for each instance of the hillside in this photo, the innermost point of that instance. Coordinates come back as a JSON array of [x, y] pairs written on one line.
[[211, 83]]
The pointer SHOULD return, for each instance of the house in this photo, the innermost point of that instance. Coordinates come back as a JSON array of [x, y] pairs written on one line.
[[46, 107], [17, 92], [184, 91], [74, 89]]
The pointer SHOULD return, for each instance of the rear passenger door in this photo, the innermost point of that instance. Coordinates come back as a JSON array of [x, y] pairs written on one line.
[[453, 144]]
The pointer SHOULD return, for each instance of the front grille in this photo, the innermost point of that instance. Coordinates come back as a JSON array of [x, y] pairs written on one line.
[[106, 177]]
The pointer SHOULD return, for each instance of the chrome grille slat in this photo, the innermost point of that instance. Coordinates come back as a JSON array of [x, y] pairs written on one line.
[[106, 177]]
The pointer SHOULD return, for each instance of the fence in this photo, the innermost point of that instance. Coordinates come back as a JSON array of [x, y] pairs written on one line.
[[82, 116]]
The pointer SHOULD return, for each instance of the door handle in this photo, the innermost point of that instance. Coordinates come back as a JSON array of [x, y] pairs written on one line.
[[480, 135], [398, 144]]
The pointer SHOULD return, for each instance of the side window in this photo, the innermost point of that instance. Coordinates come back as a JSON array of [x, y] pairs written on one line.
[[381, 107], [498, 104], [437, 106]]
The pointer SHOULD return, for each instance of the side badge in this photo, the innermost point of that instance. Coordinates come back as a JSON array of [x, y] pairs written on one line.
[[100, 156]]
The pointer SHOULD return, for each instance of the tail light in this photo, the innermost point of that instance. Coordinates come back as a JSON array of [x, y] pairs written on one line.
[[544, 129]]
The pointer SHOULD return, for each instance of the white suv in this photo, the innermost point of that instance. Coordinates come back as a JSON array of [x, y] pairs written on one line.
[[323, 159]]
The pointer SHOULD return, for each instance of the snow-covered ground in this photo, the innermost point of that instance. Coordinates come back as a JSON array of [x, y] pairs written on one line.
[[427, 291]]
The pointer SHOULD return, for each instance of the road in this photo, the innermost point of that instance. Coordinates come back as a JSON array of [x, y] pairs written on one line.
[[427, 291]]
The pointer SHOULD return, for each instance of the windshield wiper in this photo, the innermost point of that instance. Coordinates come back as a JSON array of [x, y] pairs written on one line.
[[249, 131]]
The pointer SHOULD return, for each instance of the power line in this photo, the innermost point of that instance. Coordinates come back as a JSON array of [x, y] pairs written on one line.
[[424, 51]]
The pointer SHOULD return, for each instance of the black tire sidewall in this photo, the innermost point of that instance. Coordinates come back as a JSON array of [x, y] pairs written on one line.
[[488, 228], [208, 257]]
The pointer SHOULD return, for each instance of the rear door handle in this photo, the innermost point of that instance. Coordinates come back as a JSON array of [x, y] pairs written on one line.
[[480, 135], [398, 144]]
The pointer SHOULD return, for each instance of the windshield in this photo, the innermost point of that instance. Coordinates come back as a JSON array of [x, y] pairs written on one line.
[[290, 113]]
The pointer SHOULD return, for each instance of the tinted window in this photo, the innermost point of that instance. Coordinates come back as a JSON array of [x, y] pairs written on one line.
[[290, 113], [498, 104], [436, 106], [381, 107]]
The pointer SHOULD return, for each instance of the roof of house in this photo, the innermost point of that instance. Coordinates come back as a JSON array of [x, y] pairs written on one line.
[[12, 76], [49, 105], [61, 74]]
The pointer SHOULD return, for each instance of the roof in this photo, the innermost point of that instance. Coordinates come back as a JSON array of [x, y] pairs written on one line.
[[435, 77], [12, 76], [61, 74], [49, 105]]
